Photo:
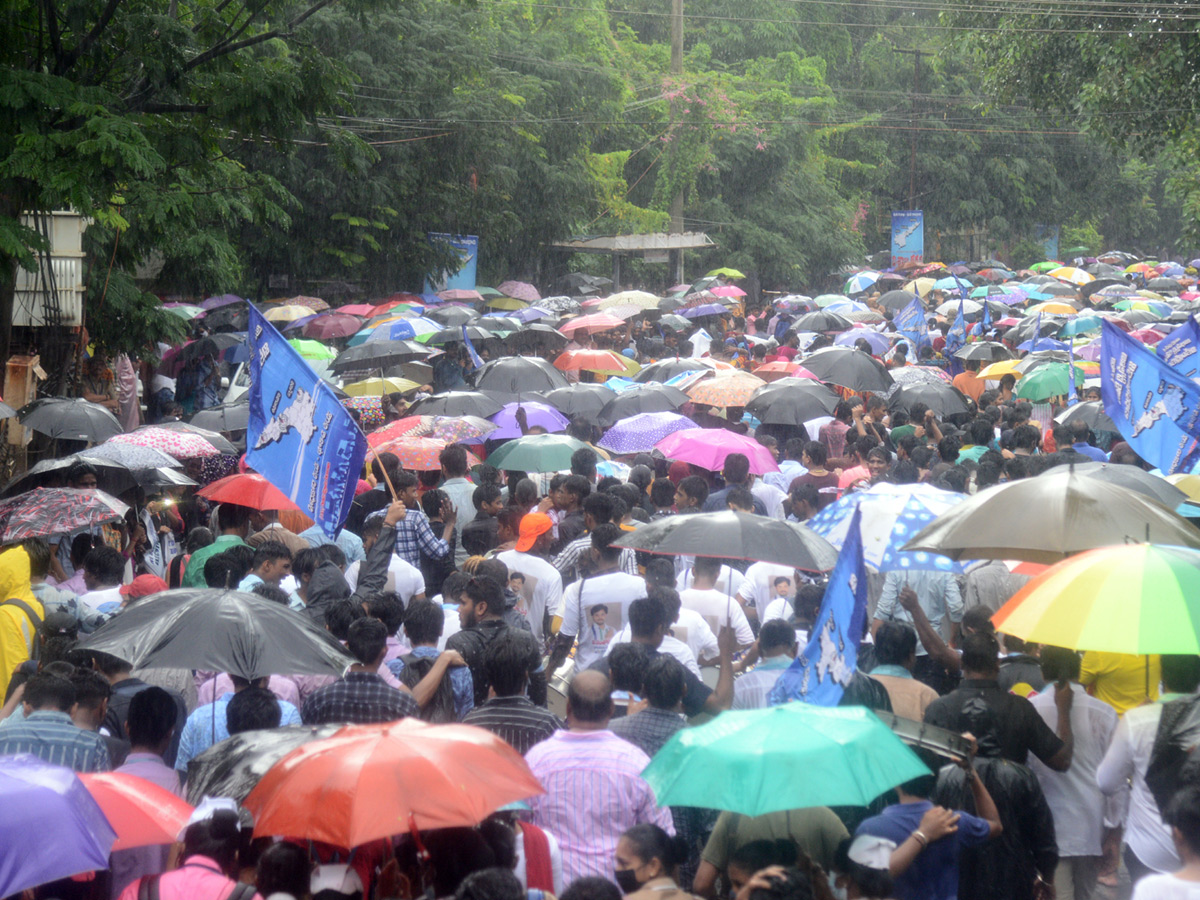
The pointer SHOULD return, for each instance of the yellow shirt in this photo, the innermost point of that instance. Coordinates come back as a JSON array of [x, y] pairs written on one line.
[[1120, 679], [17, 632]]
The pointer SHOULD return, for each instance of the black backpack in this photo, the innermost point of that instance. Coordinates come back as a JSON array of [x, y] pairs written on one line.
[[441, 708]]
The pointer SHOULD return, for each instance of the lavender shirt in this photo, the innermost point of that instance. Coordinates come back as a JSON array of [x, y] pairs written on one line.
[[130, 865]]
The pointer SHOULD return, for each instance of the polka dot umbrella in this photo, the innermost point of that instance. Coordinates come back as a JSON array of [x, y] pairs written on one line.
[[179, 444]]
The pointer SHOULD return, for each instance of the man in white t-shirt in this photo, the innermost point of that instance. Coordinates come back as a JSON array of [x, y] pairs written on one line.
[[689, 639], [541, 586], [729, 581], [1184, 883], [718, 609], [757, 589], [403, 578], [608, 586]]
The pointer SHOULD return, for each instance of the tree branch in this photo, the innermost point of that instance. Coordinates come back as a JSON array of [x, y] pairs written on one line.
[[65, 63], [52, 28], [226, 48], [166, 108]]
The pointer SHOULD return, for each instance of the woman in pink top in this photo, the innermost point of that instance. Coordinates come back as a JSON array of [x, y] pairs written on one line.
[[210, 857]]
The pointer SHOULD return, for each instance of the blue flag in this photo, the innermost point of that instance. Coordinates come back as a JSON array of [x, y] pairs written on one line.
[[956, 339], [300, 437], [910, 321], [1072, 392], [821, 673], [1181, 349], [476, 359], [1155, 407], [1037, 333], [986, 323]]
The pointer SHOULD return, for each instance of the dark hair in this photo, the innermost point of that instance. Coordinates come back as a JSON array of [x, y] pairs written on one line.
[[272, 593], [340, 615], [922, 786], [325, 553], [669, 598], [978, 618], [269, 551], [1059, 663], [387, 608], [870, 882], [1180, 673], [607, 483], [305, 562], [758, 855], [577, 485], [591, 888], [403, 480], [383, 462], [423, 622], [231, 516], [740, 497], [108, 664], [706, 565], [453, 586], [221, 571], [49, 691], [432, 501], [217, 838], [151, 716], [664, 682], [980, 653], [602, 538], [252, 709], [780, 578], [525, 493], [736, 468], [660, 570], [39, 556], [453, 459], [482, 589], [596, 708], [91, 688], [1026, 437], [662, 492], [817, 452], [895, 642], [790, 884], [696, 488], [59, 635], [485, 493], [367, 639], [105, 565], [494, 569], [490, 884], [1183, 813], [651, 842], [627, 667], [646, 614], [599, 506], [583, 462], [508, 660], [83, 543], [776, 635], [79, 469], [284, 868]]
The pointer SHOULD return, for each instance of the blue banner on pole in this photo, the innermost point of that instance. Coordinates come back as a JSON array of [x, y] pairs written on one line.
[[1155, 407], [300, 437], [908, 236], [822, 672], [910, 322], [462, 277], [1181, 349], [476, 359]]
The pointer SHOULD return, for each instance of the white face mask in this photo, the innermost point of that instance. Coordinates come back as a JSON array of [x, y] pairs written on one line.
[[839, 893]]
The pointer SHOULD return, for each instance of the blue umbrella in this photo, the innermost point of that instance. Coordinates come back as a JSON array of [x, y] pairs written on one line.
[[51, 827], [879, 343], [639, 433], [404, 330], [952, 284], [1080, 325], [1043, 343], [708, 309]]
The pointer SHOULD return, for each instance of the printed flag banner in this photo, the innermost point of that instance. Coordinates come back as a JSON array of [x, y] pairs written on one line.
[[910, 322], [1181, 349], [300, 437], [1154, 406], [822, 671], [476, 359], [956, 338]]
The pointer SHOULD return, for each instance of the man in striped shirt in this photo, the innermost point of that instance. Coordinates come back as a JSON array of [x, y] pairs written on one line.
[[48, 732], [509, 714], [594, 787]]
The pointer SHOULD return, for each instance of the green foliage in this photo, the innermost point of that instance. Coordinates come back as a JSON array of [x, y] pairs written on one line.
[[1079, 233], [1026, 252]]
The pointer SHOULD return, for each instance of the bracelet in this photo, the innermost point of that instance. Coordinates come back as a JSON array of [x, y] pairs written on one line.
[[921, 839]]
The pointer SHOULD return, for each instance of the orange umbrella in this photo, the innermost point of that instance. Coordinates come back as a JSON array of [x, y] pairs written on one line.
[[594, 322], [140, 812], [734, 389], [247, 489], [773, 371], [603, 361], [373, 781]]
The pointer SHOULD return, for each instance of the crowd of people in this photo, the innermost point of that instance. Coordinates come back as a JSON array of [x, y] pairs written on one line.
[[500, 599]]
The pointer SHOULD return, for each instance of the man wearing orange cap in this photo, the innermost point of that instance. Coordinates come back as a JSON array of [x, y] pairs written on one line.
[[543, 587]]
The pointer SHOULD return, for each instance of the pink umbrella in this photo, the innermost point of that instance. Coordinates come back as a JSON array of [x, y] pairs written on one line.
[[1146, 335], [588, 324], [316, 304], [727, 290], [357, 309], [468, 296], [331, 326], [519, 290], [179, 444], [219, 301], [708, 447]]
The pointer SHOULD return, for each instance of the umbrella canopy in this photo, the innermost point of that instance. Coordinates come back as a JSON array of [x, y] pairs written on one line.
[[990, 351], [849, 368], [331, 327], [822, 320], [666, 369], [71, 419], [792, 756], [224, 631], [403, 330], [536, 453], [287, 313], [214, 440], [519, 375], [1133, 477], [640, 399], [44, 511], [372, 781], [592, 323], [580, 399], [640, 433], [132, 456], [629, 298], [460, 429], [773, 371], [604, 362], [792, 401], [421, 454], [896, 299], [1135, 598], [735, 535], [227, 419], [408, 426], [377, 355], [312, 350], [178, 444], [725, 389], [1091, 412], [40, 800], [1046, 518], [111, 477], [142, 813], [451, 316], [247, 489], [944, 399], [708, 447], [233, 767], [377, 387], [456, 403], [540, 414], [1050, 380], [878, 343], [519, 290]]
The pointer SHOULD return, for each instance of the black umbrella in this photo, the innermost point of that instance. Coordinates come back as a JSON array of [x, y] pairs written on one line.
[[984, 350], [498, 323], [451, 315], [666, 369], [1058, 289], [234, 417], [1091, 412], [512, 375], [538, 336], [640, 399], [6, 411], [821, 320], [209, 345], [377, 355], [1099, 284], [456, 403], [234, 766], [111, 477], [151, 480], [1041, 358], [1163, 284], [1132, 477], [791, 401], [223, 445], [222, 631], [735, 535], [70, 418], [943, 399], [1023, 330], [849, 368], [1137, 317], [580, 399], [896, 299], [234, 317], [455, 333], [674, 323]]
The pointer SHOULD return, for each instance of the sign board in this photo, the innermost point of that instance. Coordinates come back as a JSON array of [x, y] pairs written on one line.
[[1047, 236], [908, 236], [467, 247]]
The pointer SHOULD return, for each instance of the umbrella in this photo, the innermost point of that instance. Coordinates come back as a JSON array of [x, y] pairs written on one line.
[[111, 477], [455, 334], [1071, 274], [640, 299], [377, 387], [312, 304], [233, 767], [71, 419], [705, 309], [212, 345], [580, 399], [180, 445], [287, 313], [1136, 599], [907, 375], [460, 429], [312, 350], [735, 535], [861, 281], [519, 290], [537, 336], [1091, 412], [185, 311], [672, 322], [984, 350], [152, 480], [605, 362], [640, 399], [132, 456], [891, 514], [725, 390], [228, 419], [540, 414], [216, 441], [792, 756], [142, 813], [822, 320], [639, 434], [456, 403], [724, 272], [536, 453], [405, 329], [519, 375], [372, 781], [773, 371], [1050, 380], [791, 401], [1046, 518], [451, 316], [666, 369], [221, 300], [44, 511], [944, 399], [708, 447], [414, 426], [467, 296], [357, 309], [331, 327], [377, 355], [223, 631], [879, 343], [1133, 477], [848, 368], [592, 323], [897, 299], [492, 322], [823, 300], [421, 454], [40, 801], [247, 489]]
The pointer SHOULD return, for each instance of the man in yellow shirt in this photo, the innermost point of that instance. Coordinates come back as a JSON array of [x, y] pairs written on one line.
[[18, 630], [1121, 680]]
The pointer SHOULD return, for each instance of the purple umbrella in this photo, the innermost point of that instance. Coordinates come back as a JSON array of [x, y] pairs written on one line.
[[222, 300], [708, 309], [519, 290], [301, 322], [536, 414], [879, 343], [38, 800], [1090, 352], [639, 434]]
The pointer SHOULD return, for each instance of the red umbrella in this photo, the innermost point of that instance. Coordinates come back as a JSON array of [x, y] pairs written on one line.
[[588, 324], [331, 326], [781, 369], [421, 454], [373, 781], [408, 426], [357, 309], [140, 812], [708, 447], [1147, 335], [247, 489]]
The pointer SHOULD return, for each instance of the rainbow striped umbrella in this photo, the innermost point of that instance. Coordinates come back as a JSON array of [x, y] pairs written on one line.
[[1135, 598]]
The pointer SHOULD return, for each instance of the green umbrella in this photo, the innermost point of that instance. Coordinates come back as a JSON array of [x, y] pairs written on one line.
[[536, 453], [793, 756], [312, 349], [1047, 266], [1050, 380]]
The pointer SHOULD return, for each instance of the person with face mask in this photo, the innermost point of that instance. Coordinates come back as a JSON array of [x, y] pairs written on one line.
[[860, 869], [646, 860]]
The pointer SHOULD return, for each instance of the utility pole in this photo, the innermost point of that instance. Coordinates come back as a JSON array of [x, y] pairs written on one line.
[[912, 123], [676, 256]]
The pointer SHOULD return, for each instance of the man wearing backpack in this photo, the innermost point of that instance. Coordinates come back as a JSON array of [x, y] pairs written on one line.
[[455, 694], [21, 614], [482, 617]]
